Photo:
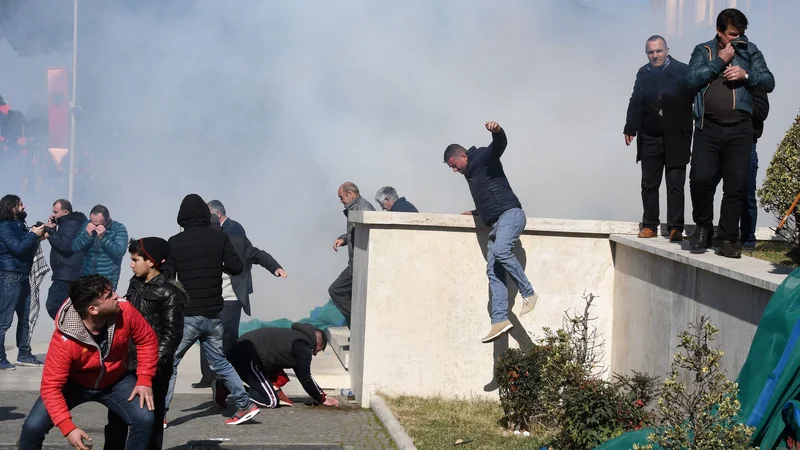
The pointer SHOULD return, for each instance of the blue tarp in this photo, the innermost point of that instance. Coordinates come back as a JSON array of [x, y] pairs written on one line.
[[320, 317]]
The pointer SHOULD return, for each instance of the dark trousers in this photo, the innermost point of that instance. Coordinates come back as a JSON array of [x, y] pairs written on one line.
[[723, 148], [747, 227], [653, 161], [230, 315], [116, 432], [115, 398], [244, 359], [56, 295], [15, 298], [341, 292]]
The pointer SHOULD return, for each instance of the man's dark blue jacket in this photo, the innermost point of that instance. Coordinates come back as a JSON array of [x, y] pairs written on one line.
[[487, 181], [65, 263]]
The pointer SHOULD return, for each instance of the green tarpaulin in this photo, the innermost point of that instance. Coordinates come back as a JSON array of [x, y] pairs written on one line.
[[320, 317], [769, 382]]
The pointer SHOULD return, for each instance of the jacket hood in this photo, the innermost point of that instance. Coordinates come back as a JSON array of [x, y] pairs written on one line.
[[73, 216], [69, 323], [309, 331], [193, 212]]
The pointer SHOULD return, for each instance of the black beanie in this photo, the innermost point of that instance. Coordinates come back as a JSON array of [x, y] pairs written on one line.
[[155, 249]]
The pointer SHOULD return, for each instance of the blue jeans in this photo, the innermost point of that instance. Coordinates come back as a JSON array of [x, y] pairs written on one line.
[[58, 293], [750, 210], [115, 398], [500, 260], [209, 332], [15, 297]]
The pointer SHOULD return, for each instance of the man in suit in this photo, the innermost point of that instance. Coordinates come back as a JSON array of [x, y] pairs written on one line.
[[660, 115], [236, 289]]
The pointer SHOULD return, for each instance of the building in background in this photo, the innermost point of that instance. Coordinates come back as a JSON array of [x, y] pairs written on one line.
[[695, 19]]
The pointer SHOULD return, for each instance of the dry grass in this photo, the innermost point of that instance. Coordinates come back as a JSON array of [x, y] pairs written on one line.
[[434, 423], [773, 251]]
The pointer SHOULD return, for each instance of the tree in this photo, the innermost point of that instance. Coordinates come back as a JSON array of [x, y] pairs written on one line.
[[783, 184]]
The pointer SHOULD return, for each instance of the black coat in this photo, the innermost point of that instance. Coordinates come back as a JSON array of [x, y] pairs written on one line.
[[760, 112], [199, 254], [66, 264], [242, 284], [161, 301], [487, 180], [676, 104], [403, 205]]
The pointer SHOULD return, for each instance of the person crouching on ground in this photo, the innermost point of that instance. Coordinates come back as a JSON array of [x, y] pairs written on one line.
[[86, 361], [161, 302]]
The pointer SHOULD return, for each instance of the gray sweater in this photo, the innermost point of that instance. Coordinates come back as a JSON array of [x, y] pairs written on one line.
[[359, 204]]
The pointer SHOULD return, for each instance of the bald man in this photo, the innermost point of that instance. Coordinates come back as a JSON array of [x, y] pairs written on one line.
[[341, 290]]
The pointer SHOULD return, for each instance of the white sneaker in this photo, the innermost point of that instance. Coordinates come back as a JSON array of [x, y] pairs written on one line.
[[528, 304]]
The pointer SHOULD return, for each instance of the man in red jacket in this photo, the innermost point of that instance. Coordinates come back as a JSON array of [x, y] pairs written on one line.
[[87, 361]]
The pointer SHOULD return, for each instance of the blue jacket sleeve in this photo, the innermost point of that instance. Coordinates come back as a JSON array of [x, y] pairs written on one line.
[[702, 70], [82, 241], [499, 143], [759, 76], [18, 243], [117, 244], [65, 236]]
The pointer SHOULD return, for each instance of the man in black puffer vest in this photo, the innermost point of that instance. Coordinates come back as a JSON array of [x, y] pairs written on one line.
[[501, 210], [199, 254], [260, 356]]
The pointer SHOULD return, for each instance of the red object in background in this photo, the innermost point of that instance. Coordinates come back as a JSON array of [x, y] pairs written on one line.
[[58, 113]]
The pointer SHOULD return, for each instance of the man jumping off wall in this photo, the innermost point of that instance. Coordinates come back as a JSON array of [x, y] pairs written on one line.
[[501, 210]]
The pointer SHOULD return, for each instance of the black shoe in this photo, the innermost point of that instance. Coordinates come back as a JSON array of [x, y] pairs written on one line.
[[202, 384], [701, 239], [728, 249]]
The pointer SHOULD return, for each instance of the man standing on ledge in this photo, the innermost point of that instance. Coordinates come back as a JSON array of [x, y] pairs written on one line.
[[501, 210], [660, 115], [724, 72], [341, 290]]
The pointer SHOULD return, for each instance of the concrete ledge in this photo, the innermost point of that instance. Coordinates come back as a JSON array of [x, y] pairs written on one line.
[[544, 225], [396, 431], [339, 342], [752, 271]]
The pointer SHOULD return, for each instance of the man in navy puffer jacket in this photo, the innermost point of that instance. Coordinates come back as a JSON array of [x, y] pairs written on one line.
[[501, 210], [17, 248], [105, 243]]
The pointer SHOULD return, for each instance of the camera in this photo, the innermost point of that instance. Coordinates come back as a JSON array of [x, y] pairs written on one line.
[[48, 230]]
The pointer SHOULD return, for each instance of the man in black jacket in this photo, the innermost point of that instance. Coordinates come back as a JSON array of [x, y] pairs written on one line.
[[262, 353], [500, 209], [199, 254], [388, 200], [236, 289], [161, 301], [65, 264], [660, 115]]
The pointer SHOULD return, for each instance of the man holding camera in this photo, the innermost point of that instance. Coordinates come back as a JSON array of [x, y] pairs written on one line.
[[724, 72], [62, 227], [18, 246], [105, 243]]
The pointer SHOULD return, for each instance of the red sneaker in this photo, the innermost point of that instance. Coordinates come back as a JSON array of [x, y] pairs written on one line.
[[243, 415], [283, 400]]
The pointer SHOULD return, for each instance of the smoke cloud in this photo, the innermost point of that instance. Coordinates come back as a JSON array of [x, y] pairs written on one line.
[[270, 106]]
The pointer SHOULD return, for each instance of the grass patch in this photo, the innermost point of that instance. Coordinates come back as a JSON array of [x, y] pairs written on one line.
[[435, 423], [774, 252]]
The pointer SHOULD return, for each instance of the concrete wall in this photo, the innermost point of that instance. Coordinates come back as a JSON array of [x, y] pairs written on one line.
[[421, 299], [659, 288]]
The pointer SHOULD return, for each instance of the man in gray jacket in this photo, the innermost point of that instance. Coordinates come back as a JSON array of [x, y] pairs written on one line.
[[341, 290]]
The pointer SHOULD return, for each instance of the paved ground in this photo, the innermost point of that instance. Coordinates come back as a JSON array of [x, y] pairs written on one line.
[[196, 423]]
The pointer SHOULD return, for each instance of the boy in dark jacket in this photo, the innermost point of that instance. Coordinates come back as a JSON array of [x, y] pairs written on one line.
[[500, 209], [260, 355], [198, 257], [161, 301]]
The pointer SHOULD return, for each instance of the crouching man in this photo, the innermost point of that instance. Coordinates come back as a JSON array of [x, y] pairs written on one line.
[[260, 356], [86, 361]]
